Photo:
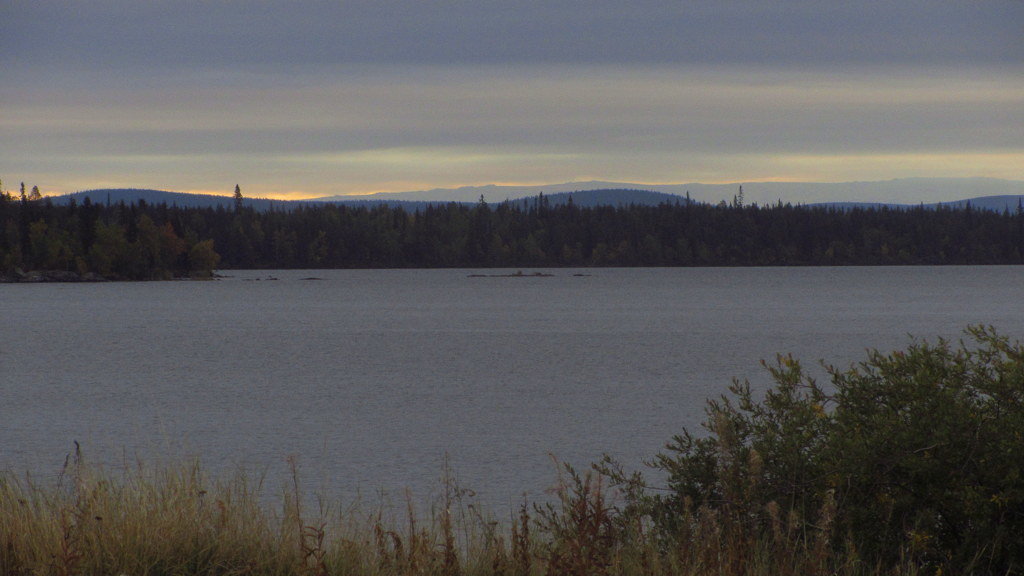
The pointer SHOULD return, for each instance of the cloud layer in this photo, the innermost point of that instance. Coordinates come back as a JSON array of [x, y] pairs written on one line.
[[328, 97], [260, 33]]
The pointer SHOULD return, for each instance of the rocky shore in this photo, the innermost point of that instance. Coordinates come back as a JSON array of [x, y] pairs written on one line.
[[18, 276]]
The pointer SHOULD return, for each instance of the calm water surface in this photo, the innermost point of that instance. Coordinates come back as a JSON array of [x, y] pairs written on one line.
[[371, 377]]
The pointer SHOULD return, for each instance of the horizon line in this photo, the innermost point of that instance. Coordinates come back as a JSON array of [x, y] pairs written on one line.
[[299, 196]]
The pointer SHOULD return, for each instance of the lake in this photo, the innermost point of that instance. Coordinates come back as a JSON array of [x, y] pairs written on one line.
[[371, 378]]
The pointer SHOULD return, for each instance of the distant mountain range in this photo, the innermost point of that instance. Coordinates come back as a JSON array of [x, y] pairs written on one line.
[[997, 203], [580, 198], [179, 199], [493, 193], [184, 200], [981, 193], [902, 191]]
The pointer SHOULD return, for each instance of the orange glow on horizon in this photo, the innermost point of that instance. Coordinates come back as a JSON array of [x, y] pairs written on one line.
[[794, 168]]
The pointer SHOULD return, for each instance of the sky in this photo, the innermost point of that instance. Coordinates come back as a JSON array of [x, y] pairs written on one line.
[[298, 99]]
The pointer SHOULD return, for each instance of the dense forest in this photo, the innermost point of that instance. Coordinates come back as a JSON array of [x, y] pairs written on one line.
[[94, 242], [145, 241]]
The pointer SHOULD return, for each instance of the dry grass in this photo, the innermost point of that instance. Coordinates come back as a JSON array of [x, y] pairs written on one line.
[[177, 521]]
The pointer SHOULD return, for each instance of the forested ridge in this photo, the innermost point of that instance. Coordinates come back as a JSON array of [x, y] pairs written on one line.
[[145, 241]]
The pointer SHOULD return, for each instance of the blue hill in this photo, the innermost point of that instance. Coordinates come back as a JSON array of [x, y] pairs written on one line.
[[185, 200], [608, 197], [581, 198], [178, 199], [994, 203], [584, 198]]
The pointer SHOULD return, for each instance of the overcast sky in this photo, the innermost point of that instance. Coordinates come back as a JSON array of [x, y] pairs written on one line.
[[300, 99]]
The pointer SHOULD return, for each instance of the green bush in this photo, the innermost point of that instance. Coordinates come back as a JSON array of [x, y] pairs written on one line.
[[914, 456]]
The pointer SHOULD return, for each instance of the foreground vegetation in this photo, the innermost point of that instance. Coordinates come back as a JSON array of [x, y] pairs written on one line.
[[908, 463], [142, 241]]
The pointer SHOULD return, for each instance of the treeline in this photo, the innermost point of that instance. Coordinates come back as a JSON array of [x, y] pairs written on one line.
[[539, 234], [92, 241], [151, 241]]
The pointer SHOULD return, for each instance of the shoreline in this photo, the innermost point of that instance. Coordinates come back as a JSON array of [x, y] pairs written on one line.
[[68, 277], [40, 276]]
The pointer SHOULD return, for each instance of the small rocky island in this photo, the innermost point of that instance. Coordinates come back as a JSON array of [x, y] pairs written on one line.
[[516, 274]]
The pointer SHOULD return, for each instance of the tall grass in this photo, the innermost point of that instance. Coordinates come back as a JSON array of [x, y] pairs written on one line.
[[915, 468], [176, 520]]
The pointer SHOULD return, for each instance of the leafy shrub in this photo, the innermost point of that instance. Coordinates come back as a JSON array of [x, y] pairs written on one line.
[[912, 456], [582, 535]]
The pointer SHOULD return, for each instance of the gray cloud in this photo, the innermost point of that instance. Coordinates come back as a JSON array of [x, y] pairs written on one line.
[[165, 34], [327, 97], [581, 110]]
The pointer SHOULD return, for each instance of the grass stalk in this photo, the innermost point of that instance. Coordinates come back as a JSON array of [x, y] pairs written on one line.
[[176, 520]]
